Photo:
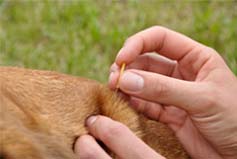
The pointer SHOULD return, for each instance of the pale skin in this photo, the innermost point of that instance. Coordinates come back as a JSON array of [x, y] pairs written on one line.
[[188, 86]]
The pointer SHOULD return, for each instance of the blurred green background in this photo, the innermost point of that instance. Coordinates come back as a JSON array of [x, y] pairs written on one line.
[[83, 37]]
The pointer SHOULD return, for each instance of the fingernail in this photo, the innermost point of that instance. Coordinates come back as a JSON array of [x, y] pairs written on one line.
[[113, 80], [111, 76], [91, 120], [114, 68], [119, 53], [131, 82]]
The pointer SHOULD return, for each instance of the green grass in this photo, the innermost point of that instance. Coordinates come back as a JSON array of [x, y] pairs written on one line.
[[83, 37]]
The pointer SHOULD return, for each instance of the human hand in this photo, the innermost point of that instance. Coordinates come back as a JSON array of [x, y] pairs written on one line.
[[115, 136], [188, 86]]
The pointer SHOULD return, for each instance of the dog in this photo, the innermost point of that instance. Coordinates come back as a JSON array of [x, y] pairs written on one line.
[[42, 113]]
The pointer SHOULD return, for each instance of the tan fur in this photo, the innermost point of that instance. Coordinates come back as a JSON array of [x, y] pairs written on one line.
[[43, 112]]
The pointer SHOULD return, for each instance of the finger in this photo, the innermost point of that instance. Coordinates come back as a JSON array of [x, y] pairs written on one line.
[[150, 109], [114, 76], [113, 80], [168, 43], [87, 147], [114, 68], [119, 138], [162, 89], [148, 62], [154, 63], [191, 55], [170, 115]]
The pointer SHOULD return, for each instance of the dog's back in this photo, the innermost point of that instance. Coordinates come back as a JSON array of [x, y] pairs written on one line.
[[42, 113]]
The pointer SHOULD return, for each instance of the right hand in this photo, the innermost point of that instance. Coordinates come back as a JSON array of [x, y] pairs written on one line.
[[189, 87]]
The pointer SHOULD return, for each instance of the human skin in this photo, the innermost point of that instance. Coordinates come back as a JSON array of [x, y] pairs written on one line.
[[188, 86]]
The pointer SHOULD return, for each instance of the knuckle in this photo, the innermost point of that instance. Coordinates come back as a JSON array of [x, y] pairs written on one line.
[[210, 101], [161, 88], [131, 38], [215, 57], [158, 27], [210, 50], [211, 97]]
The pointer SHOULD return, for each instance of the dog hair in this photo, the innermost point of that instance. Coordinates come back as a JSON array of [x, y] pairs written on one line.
[[42, 113]]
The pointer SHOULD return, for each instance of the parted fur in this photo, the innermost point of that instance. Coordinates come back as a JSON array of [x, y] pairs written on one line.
[[43, 112]]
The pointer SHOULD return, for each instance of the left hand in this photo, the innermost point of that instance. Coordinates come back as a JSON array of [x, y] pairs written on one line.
[[116, 136]]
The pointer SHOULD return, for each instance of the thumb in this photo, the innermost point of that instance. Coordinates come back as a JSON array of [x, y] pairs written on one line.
[[161, 89]]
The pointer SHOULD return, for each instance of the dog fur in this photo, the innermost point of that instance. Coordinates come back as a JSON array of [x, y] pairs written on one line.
[[43, 112]]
